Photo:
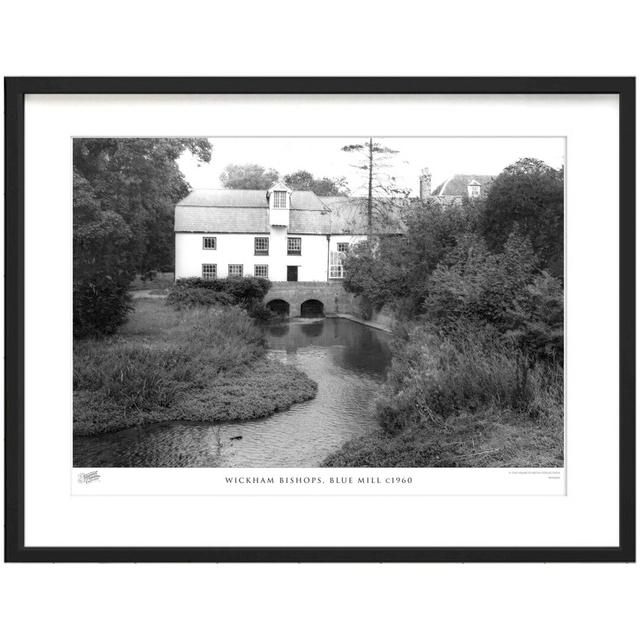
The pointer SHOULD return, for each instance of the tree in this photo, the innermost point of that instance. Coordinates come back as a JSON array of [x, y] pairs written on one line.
[[124, 194], [305, 181], [380, 186], [397, 268], [528, 195], [476, 286], [248, 176], [139, 179]]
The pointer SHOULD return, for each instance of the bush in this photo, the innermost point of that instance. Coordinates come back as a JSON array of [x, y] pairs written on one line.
[[476, 286], [537, 318], [434, 377], [365, 307], [188, 297], [505, 291], [99, 307], [259, 311], [101, 270], [235, 290]]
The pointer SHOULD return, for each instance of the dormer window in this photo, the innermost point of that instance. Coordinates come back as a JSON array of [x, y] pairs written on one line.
[[473, 189], [279, 199]]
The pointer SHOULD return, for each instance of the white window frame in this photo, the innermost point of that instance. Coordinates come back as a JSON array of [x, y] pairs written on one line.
[[342, 244], [239, 275], [215, 243], [261, 266], [294, 252], [279, 199], [206, 276], [260, 252], [336, 269]]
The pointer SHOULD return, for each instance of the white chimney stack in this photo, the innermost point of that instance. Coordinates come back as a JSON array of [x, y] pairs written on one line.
[[425, 184]]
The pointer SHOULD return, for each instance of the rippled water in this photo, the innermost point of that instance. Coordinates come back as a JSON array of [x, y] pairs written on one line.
[[348, 361]]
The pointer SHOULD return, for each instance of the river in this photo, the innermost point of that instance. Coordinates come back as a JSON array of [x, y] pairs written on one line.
[[348, 360]]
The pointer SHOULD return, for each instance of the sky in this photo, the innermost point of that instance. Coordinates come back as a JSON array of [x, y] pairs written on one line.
[[323, 157]]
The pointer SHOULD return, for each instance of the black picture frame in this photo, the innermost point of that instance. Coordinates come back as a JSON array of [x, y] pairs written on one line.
[[15, 91]]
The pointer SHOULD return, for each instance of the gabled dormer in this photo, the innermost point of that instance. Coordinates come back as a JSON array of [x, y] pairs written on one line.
[[473, 189], [279, 199]]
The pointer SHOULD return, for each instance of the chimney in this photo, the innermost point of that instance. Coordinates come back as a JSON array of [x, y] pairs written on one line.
[[425, 184]]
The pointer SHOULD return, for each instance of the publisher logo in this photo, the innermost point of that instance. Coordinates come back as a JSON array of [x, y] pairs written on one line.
[[86, 478]]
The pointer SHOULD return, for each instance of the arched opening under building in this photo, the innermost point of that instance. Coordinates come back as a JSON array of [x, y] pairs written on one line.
[[312, 309], [280, 307]]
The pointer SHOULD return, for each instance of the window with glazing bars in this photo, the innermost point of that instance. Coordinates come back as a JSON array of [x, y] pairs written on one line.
[[294, 246], [261, 246], [261, 270], [279, 199], [209, 271], [208, 243], [336, 270], [235, 269]]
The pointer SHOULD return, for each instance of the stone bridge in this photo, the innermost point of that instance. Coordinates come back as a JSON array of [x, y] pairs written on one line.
[[309, 298]]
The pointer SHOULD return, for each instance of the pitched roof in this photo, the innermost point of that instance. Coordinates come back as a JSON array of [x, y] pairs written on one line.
[[349, 215], [457, 185], [302, 200], [346, 215], [246, 211], [221, 219], [301, 221]]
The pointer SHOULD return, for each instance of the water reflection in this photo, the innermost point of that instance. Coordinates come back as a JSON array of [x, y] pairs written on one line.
[[347, 360], [352, 346]]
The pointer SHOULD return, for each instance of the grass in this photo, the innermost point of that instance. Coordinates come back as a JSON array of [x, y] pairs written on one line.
[[198, 365], [469, 402], [491, 438]]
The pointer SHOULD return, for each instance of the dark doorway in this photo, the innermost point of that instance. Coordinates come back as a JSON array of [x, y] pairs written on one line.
[[281, 307], [312, 309], [292, 274]]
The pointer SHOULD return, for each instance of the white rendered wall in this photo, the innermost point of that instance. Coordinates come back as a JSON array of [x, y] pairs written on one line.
[[238, 248], [312, 263], [231, 248]]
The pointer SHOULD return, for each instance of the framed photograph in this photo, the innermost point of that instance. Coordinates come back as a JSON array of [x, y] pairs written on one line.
[[320, 319]]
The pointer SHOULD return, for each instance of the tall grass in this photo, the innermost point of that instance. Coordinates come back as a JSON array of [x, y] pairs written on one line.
[[471, 399], [434, 377], [193, 362]]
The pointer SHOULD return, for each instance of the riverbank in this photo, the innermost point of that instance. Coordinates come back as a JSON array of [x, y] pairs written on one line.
[[491, 438], [467, 401], [196, 365], [381, 326]]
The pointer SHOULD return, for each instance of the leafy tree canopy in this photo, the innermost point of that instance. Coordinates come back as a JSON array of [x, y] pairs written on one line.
[[305, 181], [528, 196], [396, 268], [248, 176], [124, 194], [138, 179]]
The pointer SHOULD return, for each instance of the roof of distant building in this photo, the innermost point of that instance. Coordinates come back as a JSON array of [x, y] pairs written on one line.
[[457, 185]]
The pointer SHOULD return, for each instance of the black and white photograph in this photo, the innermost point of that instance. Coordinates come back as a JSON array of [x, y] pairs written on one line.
[[301, 302], [320, 320]]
